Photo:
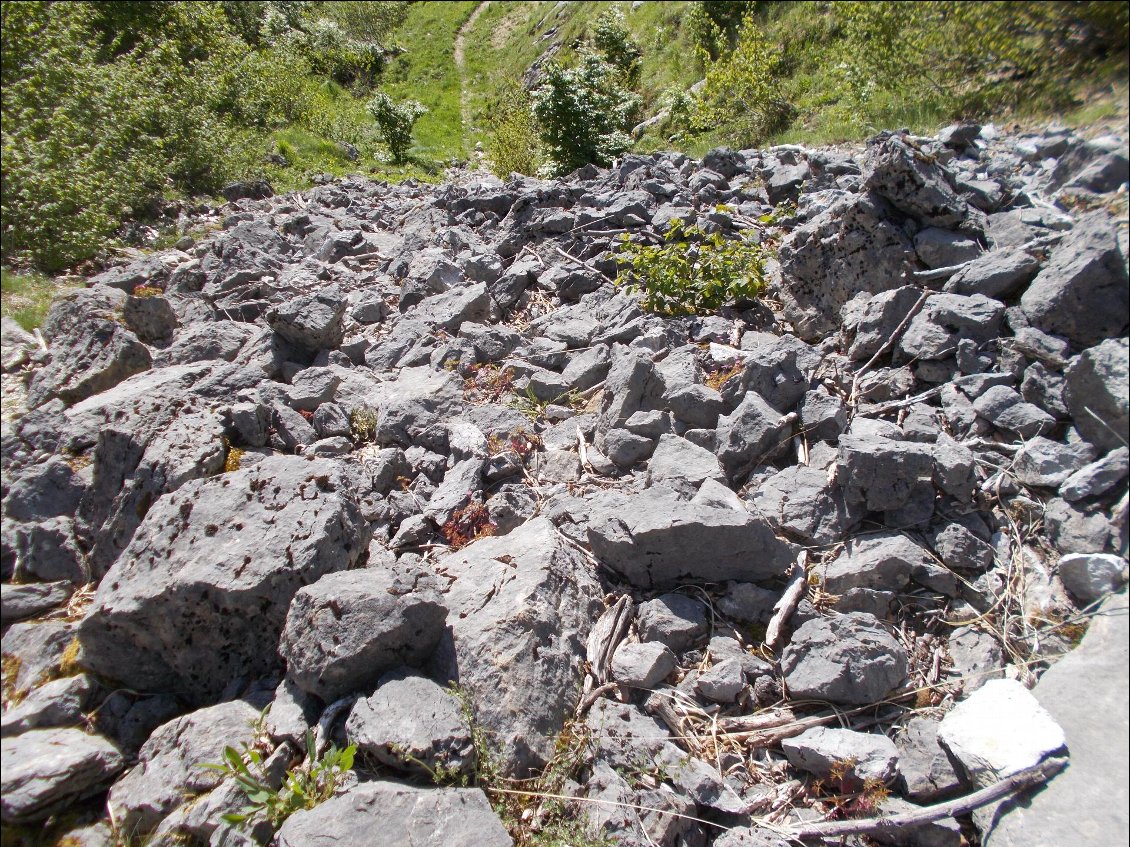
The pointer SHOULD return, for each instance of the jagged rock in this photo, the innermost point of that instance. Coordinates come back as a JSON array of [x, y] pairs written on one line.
[[199, 596], [47, 770], [1001, 274], [20, 602], [1090, 576], [405, 816], [311, 321], [33, 653], [675, 620], [881, 473], [1097, 477], [1074, 529], [926, 771], [723, 682], [417, 399], [1082, 292], [850, 659], [999, 730], [945, 320], [292, 712], [677, 458], [750, 435], [168, 772], [1046, 463], [634, 817], [348, 628], [59, 703], [943, 248], [1005, 409], [976, 656], [653, 539], [867, 756], [199, 342], [960, 549], [412, 724], [897, 171], [802, 502], [642, 665], [520, 610], [886, 561], [1097, 395]]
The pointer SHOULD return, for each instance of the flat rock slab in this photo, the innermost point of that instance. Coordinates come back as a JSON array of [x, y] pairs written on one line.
[[46, 770], [850, 659], [849, 757], [999, 730], [395, 815], [199, 597], [653, 539], [1085, 693]]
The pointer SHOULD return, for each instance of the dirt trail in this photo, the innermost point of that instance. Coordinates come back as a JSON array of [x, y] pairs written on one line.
[[460, 41]]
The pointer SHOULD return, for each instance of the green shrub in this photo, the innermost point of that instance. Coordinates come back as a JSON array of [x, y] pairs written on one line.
[[583, 114], [512, 140], [394, 121], [611, 38], [692, 272]]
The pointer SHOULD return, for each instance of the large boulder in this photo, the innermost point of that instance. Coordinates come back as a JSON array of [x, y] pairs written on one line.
[[199, 597], [850, 659], [1082, 293], [47, 770], [521, 606], [311, 322], [914, 183], [653, 539], [1097, 395]]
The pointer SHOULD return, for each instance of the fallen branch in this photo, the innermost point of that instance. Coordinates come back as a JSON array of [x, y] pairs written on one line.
[[582, 263], [606, 635], [1019, 781], [785, 607]]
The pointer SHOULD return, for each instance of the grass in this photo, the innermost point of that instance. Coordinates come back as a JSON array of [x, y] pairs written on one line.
[[26, 297]]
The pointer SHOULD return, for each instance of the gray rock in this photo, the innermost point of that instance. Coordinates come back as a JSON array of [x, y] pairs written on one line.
[[850, 659], [1097, 395], [926, 772], [168, 772], [449, 310], [412, 724], [1090, 576], [676, 620], [90, 350], [1068, 809], [750, 435], [47, 770], [848, 247], [199, 342], [818, 750], [520, 610], [801, 502], [823, 416], [44, 490], [630, 817], [1082, 293], [881, 473], [292, 429], [914, 185], [292, 712], [870, 321], [976, 657], [625, 449], [19, 602], [1074, 529], [456, 490], [653, 539], [1005, 409], [1045, 463], [999, 730], [348, 628], [417, 399], [945, 320], [311, 321], [960, 549], [677, 458], [199, 597], [16, 343], [311, 387], [151, 319], [632, 385], [429, 272], [405, 816], [642, 665], [955, 468], [1097, 477], [748, 603], [1044, 388], [722, 683], [773, 373], [885, 561], [34, 652], [943, 248], [1001, 274], [61, 702], [697, 406]]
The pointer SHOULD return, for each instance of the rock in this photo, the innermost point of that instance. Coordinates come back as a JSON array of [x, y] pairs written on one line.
[[677, 458], [199, 597], [169, 773], [61, 702], [697, 406], [348, 628], [999, 730], [885, 561], [417, 399], [311, 321], [1082, 293], [657, 816], [850, 659], [652, 539], [412, 724], [926, 772], [913, 184], [675, 620], [34, 652], [16, 342], [405, 816], [849, 247], [1005, 409], [292, 712], [750, 435], [943, 248], [642, 665], [959, 549], [880, 473], [1068, 809], [152, 319], [801, 502], [945, 320], [823, 416], [870, 321], [1076, 530], [722, 683], [520, 609], [1097, 477], [945, 832], [1097, 395], [47, 770], [976, 657], [20, 602], [199, 342], [858, 758], [90, 350], [1045, 463], [1091, 576], [625, 449], [1001, 274], [451, 309]]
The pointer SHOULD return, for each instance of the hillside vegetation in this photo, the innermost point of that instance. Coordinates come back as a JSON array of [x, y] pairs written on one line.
[[111, 109]]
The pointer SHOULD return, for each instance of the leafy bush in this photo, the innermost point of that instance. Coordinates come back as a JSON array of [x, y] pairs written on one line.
[[692, 272], [611, 38], [304, 787], [394, 121], [512, 142], [583, 114]]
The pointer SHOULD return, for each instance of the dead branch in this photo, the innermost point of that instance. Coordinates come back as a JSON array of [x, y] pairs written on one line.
[[785, 607], [1019, 781]]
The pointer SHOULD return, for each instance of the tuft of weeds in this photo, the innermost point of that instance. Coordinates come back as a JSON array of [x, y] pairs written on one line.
[[26, 297], [468, 524], [363, 424]]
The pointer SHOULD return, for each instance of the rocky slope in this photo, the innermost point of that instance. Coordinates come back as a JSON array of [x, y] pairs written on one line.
[[794, 562]]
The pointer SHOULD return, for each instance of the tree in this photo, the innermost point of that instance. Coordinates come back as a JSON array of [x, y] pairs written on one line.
[[395, 120]]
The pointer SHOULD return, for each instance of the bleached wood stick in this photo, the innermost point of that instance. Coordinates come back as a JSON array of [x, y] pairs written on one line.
[[785, 607]]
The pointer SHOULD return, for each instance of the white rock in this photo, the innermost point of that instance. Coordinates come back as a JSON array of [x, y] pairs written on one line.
[[999, 730]]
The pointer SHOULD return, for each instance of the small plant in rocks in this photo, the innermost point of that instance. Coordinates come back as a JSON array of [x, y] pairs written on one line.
[[692, 271], [467, 524]]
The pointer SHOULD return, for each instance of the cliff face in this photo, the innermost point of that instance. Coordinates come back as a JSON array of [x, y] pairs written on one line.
[[370, 440]]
